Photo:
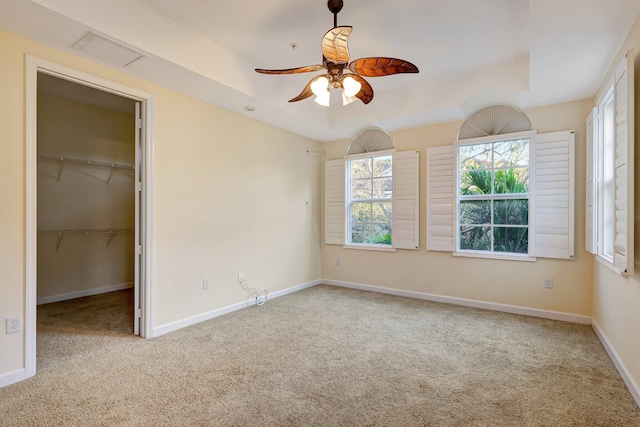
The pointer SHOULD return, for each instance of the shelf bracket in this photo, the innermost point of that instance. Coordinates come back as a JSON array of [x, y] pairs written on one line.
[[59, 240], [60, 168], [112, 236], [113, 171]]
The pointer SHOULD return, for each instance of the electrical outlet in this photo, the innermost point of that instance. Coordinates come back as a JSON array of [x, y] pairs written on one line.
[[205, 283], [13, 325], [548, 282], [240, 277], [338, 262]]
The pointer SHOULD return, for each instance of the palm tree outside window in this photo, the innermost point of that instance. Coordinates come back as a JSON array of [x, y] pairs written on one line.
[[493, 209]]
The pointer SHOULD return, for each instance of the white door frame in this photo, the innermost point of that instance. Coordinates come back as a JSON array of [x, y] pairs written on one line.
[[33, 66]]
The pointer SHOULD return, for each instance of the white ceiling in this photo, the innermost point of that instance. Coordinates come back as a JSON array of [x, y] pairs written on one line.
[[470, 53]]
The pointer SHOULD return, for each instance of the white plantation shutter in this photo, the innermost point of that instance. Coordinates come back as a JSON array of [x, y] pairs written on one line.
[[441, 198], [591, 191], [623, 199], [334, 214], [552, 195], [406, 200]]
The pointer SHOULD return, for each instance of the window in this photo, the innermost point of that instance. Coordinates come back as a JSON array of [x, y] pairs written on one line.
[[609, 191], [505, 197], [372, 201], [369, 200], [606, 173], [493, 196]]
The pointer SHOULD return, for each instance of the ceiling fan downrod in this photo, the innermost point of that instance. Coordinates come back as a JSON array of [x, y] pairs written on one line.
[[335, 6]]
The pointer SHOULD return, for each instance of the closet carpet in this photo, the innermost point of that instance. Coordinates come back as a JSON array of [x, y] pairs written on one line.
[[324, 356]]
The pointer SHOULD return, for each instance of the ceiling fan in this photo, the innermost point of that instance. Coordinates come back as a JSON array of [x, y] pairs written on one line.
[[342, 74]]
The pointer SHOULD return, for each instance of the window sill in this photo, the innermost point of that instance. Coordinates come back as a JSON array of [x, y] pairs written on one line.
[[505, 257], [609, 264], [379, 248]]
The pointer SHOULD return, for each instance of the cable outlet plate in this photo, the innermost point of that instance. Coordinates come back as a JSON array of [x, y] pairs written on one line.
[[13, 325]]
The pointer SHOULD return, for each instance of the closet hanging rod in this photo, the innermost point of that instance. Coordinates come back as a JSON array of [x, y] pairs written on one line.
[[87, 162], [112, 232], [88, 231]]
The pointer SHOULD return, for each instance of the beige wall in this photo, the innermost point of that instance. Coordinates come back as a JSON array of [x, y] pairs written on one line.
[[82, 199], [12, 200], [505, 282], [616, 299], [230, 195]]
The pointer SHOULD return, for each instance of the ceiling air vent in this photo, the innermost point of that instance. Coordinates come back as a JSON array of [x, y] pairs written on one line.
[[107, 50]]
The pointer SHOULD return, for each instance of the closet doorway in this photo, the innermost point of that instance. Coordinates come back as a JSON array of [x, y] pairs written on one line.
[[88, 161], [86, 208]]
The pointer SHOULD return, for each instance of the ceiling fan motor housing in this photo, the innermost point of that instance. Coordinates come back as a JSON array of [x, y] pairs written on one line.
[[335, 6]]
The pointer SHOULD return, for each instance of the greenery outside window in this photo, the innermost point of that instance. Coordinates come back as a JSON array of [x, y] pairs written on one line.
[[369, 200], [493, 197]]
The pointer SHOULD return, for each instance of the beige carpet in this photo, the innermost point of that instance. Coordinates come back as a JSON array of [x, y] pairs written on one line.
[[324, 356]]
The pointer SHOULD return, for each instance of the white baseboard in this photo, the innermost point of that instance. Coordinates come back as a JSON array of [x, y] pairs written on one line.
[[13, 377], [179, 324], [84, 293], [513, 309], [618, 363]]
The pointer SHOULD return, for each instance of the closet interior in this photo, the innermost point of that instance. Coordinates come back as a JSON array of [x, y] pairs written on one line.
[[86, 192]]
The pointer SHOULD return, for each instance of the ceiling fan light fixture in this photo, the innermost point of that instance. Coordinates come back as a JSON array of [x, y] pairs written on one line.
[[346, 100], [350, 86], [320, 88], [324, 98]]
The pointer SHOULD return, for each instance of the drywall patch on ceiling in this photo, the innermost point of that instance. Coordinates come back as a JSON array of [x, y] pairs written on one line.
[[107, 50]]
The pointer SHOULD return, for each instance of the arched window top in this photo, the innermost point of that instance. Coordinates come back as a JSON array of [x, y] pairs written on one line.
[[369, 140], [494, 120]]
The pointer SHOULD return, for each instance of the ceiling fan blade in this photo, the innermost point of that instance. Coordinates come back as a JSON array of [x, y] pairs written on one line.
[[377, 67], [334, 45], [309, 69], [306, 92], [366, 91]]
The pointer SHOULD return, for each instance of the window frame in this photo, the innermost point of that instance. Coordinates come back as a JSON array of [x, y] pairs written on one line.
[[406, 201], [348, 202], [603, 193], [620, 232], [530, 196], [552, 206]]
